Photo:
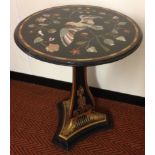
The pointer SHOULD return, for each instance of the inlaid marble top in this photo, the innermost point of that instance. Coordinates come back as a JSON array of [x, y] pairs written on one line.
[[78, 35]]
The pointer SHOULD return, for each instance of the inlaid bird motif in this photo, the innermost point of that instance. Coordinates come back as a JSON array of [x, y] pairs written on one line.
[[67, 33]]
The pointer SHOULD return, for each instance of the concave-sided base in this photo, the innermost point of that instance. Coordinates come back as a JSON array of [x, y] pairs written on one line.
[[71, 130]]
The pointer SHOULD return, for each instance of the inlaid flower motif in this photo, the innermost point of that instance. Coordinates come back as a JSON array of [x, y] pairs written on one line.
[[51, 39], [52, 47], [75, 51], [31, 31], [109, 42], [92, 49], [121, 38], [40, 33], [38, 40], [41, 19], [46, 15], [126, 31], [55, 14], [115, 17], [52, 30]]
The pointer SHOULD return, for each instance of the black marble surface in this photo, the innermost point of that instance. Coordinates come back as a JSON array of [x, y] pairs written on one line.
[[78, 35]]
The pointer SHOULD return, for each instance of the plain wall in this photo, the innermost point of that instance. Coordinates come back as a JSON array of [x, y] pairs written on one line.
[[126, 75]]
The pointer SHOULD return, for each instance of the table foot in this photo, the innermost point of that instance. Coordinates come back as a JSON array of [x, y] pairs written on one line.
[[71, 130]]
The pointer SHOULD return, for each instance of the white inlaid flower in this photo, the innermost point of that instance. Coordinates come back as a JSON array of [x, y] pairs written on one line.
[[121, 38], [109, 42], [52, 47], [40, 33], [41, 19], [91, 49], [51, 39]]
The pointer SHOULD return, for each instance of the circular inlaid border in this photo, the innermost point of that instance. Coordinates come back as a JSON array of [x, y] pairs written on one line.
[[19, 39]]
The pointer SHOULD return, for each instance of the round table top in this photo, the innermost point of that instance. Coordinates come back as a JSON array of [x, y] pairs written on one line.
[[78, 35]]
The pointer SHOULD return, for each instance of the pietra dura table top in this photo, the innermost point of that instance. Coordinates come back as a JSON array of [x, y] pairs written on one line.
[[78, 36]]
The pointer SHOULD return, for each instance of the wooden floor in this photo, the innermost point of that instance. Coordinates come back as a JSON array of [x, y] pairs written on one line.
[[34, 119]]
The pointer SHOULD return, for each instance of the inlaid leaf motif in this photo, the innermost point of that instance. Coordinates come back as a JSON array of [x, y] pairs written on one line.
[[122, 23], [92, 49], [121, 38], [84, 34], [43, 24], [114, 31], [102, 13], [81, 42], [107, 22], [88, 12], [116, 17], [79, 8], [109, 42], [41, 19], [56, 22], [38, 40], [52, 30], [46, 15], [31, 25], [66, 9]]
